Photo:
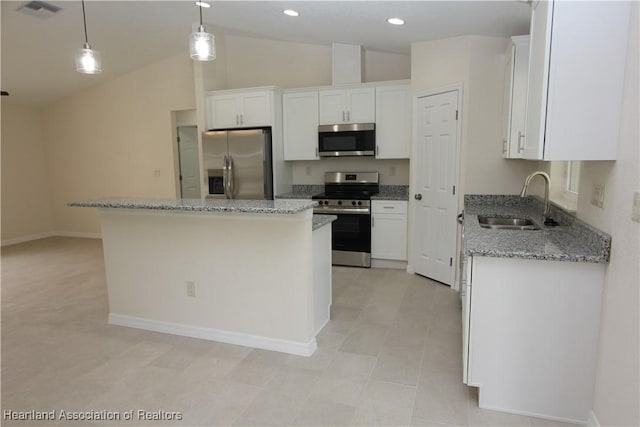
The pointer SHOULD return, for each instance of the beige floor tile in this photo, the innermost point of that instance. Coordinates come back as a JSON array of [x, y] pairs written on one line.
[[292, 382], [365, 338], [270, 409], [442, 403], [421, 422], [346, 389], [384, 404], [322, 413], [343, 319], [484, 417], [541, 422], [258, 367]]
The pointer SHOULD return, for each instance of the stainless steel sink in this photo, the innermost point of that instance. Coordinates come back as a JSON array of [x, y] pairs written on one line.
[[507, 223]]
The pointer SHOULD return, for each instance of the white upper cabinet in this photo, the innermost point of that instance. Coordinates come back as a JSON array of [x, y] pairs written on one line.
[[300, 120], [347, 106], [239, 109], [393, 122], [576, 77], [516, 74]]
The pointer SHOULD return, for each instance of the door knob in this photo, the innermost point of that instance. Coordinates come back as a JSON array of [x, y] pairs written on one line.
[[418, 196]]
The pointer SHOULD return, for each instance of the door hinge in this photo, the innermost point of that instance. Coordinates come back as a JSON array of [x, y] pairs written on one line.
[[456, 114], [450, 262], [454, 190], [178, 138]]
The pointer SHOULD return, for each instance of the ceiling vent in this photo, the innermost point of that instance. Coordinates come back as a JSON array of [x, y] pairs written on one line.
[[39, 9]]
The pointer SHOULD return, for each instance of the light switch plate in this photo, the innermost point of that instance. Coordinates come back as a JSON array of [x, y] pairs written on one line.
[[597, 195], [635, 210]]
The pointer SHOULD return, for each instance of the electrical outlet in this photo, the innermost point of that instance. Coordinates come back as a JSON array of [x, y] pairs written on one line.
[[156, 172], [597, 195], [191, 289], [635, 210]]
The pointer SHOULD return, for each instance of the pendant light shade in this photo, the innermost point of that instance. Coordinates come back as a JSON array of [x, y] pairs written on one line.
[[202, 44], [87, 60]]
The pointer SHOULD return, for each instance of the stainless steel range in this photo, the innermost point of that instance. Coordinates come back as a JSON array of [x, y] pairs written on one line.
[[348, 195]]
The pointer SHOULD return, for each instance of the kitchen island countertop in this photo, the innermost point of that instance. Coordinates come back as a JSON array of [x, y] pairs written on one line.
[[199, 205]]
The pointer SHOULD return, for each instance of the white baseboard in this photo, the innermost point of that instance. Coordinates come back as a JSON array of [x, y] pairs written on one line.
[[27, 238], [388, 263], [593, 420], [78, 234], [284, 346]]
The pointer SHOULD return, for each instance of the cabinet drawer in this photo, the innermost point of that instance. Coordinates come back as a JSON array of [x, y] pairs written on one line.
[[389, 207]]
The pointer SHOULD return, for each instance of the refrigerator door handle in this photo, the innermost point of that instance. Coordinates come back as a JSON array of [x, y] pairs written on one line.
[[225, 176], [231, 178]]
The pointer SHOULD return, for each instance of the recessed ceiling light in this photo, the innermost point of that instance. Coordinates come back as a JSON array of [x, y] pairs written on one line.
[[395, 21], [203, 4], [290, 12]]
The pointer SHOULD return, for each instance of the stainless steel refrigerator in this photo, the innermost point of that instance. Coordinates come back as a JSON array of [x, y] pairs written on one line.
[[238, 163]]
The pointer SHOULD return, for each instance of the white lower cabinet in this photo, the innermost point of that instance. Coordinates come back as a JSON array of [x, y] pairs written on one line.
[[389, 230], [531, 333]]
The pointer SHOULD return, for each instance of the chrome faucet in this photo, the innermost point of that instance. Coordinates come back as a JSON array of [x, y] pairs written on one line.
[[547, 181]]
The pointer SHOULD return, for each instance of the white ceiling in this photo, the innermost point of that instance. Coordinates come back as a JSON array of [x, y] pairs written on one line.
[[38, 54]]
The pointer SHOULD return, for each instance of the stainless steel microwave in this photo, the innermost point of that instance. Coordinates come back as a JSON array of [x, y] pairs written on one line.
[[357, 139]]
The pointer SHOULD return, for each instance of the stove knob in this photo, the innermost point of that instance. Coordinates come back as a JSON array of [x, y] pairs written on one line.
[[339, 202], [353, 203], [359, 203], [326, 202]]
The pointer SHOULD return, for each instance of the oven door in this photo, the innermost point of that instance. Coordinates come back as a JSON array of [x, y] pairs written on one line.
[[347, 140], [351, 239]]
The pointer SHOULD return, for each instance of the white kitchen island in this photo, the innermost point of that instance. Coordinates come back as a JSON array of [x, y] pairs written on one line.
[[254, 273]]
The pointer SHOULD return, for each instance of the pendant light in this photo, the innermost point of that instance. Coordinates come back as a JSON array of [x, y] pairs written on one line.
[[87, 59], [201, 44]]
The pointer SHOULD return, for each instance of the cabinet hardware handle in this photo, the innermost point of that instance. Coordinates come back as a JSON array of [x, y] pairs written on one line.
[[348, 116], [317, 153], [343, 116], [520, 142], [388, 207], [237, 119], [504, 146]]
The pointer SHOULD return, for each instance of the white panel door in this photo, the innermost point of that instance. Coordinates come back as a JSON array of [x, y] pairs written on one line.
[[189, 162], [435, 202]]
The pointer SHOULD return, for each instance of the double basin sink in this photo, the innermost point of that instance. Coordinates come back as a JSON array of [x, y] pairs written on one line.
[[507, 223]]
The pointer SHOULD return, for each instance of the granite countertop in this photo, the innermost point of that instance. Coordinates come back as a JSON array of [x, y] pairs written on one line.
[[199, 205], [322, 220], [302, 192], [392, 192], [573, 240]]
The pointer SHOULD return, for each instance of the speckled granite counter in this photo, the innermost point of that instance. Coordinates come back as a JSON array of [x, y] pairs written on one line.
[[392, 192], [198, 205], [322, 220], [573, 240], [302, 192]]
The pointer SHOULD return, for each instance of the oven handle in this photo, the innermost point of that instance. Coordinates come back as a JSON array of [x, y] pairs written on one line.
[[340, 211]]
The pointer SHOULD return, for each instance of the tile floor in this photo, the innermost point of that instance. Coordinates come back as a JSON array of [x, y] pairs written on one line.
[[391, 355]]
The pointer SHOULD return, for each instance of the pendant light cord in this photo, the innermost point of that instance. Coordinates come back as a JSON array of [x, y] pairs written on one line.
[[84, 19], [200, 15]]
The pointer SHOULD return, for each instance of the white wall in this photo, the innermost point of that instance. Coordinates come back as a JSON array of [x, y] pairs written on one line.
[[476, 62], [617, 397], [26, 196], [116, 140]]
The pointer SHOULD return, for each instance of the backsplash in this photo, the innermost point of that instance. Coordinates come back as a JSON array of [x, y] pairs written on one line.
[[311, 172]]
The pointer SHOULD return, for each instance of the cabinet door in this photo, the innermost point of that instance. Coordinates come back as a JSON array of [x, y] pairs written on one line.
[[506, 100], [333, 107], [300, 118], [361, 105], [255, 109], [517, 118], [393, 128], [222, 111], [389, 230], [538, 71]]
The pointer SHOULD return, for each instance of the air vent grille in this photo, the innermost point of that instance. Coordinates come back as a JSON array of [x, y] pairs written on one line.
[[39, 9]]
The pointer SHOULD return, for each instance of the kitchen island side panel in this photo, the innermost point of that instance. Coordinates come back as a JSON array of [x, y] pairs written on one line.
[[252, 274]]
